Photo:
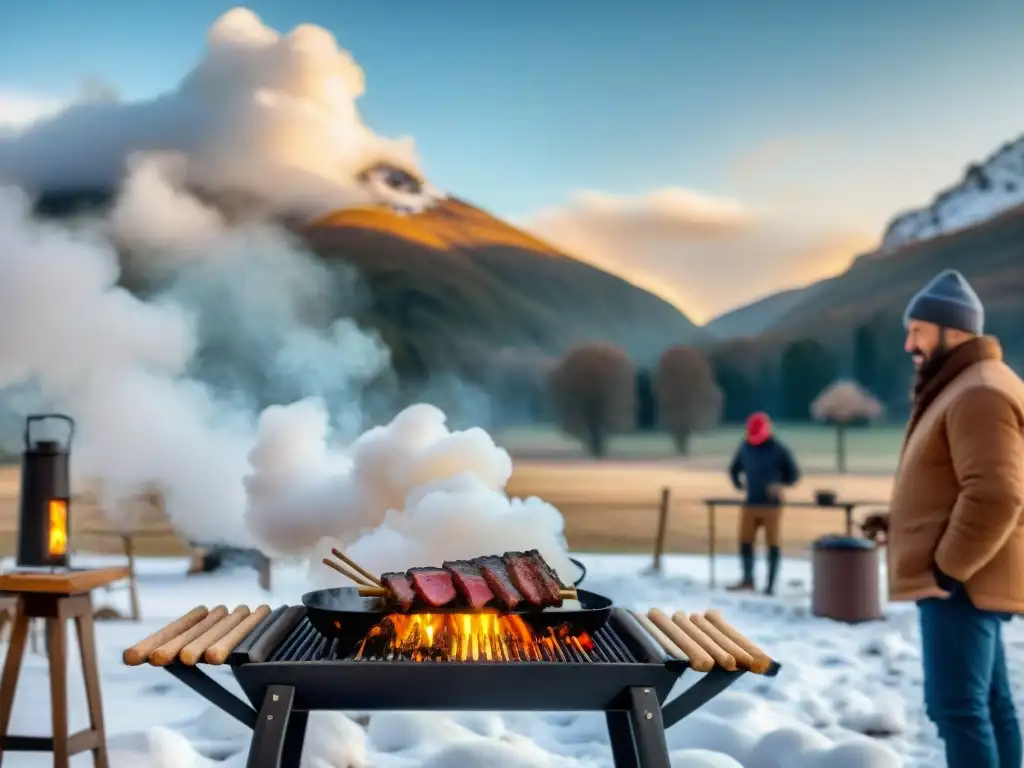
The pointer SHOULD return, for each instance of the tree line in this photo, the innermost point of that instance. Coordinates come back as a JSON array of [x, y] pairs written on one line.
[[596, 391]]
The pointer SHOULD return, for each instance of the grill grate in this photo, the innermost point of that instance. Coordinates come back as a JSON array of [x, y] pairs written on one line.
[[305, 643]]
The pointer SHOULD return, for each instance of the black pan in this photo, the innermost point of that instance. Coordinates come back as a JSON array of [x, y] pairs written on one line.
[[342, 611]]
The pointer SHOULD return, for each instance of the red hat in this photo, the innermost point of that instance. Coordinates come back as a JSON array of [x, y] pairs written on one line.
[[759, 428]]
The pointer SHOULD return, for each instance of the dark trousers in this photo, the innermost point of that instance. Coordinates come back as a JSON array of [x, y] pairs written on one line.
[[966, 686]]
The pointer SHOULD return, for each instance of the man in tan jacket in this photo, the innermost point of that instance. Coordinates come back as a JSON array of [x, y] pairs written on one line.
[[955, 532]]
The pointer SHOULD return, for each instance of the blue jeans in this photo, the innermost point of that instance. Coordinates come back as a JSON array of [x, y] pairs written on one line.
[[966, 687]]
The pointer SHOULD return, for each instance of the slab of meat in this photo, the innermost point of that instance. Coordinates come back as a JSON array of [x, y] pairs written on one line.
[[547, 578], [401, 589], [493, 569], [470, 582], [523, 575], [433, 586]]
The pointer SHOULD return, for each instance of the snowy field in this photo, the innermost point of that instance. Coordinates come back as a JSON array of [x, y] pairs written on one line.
[[837, 684]]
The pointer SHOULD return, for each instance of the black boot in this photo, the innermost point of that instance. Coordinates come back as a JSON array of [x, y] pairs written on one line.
[[774, 556], [747, 561]]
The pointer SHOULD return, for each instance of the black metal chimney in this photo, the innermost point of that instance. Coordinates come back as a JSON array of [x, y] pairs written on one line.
[[44, 520]]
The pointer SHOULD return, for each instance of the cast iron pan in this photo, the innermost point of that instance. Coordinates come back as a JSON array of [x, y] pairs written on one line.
[[342, 611]]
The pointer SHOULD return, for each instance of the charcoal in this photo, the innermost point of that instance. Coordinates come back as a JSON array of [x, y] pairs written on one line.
[[433, 586], [493, 569], [470, 582], [522, 574], [400, 586]]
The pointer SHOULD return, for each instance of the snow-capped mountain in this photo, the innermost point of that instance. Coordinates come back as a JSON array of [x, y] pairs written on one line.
[[987, 189]]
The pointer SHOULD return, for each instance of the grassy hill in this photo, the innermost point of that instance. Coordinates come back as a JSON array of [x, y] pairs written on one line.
[[450, 287]]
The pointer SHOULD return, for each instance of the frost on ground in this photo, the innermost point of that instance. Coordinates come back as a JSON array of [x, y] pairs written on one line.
[[847, 697]]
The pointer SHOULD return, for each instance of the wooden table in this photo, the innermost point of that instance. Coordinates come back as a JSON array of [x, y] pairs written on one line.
[[712, 504], [56, 597]]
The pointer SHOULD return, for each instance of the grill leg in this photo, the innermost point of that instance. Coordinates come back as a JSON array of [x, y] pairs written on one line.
[[268, 740], [294, 738], [648, 728], [620, 732]]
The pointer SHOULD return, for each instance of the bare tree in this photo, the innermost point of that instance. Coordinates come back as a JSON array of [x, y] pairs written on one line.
[[594, 394], [844, 403], [689, 400]]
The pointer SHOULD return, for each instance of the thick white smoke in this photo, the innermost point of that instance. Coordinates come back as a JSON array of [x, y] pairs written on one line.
[[411, 493], [269, 116], [231, 312]]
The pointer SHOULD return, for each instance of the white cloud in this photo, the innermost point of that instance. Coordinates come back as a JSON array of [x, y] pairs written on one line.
[[703, 253], [18, 110]]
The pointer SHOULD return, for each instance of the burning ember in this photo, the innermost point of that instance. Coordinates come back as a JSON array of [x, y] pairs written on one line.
[[58, 535], [470, 637]]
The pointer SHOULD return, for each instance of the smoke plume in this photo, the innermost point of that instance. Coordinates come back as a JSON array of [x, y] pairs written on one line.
[[228, 314], [410, 493]]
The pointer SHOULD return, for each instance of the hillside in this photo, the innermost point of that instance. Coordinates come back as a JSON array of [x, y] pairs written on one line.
[[987, 189], [449, 287], [757, 317], [453, 284]]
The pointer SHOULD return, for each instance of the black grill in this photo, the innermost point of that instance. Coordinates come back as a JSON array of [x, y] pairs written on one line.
[[287, 669], [305, 644]]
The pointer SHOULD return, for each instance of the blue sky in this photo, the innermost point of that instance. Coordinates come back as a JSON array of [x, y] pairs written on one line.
[[849, 111]]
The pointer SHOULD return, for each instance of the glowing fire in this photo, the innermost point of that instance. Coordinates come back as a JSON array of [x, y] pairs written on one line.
[[58, 527], [469, 637]]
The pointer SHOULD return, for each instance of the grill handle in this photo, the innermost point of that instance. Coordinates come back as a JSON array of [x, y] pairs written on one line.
[[583, 571]]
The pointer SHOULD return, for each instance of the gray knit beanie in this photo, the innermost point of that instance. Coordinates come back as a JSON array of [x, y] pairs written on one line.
[[948, 301]]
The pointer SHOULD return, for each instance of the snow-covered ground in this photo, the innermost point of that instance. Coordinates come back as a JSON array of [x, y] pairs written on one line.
[[837, 684]]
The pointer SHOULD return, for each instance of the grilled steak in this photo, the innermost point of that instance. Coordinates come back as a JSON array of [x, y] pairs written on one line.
[[493, 569], [523, 575], [433, 586], [401, 589], [550, 584], [470, 582]]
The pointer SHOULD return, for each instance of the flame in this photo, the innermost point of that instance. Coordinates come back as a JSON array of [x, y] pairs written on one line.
[[469, 637], [58, 546]]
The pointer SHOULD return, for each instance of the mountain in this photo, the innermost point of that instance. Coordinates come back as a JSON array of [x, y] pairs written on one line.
[[451, 286], [866, 302], [757, 317], [987, 189]]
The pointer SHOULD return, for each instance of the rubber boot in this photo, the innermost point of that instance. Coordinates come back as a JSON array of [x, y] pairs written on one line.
[[747, 561], [774, 557]]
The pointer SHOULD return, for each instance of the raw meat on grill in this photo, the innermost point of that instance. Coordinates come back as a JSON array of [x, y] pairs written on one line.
[[551, 585], [524, 577], [469, 582], [496, 575], [433, 586], [402, 592]]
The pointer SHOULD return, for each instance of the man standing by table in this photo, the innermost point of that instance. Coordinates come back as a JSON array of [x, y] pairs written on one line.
[[762, 466], [954, 531]]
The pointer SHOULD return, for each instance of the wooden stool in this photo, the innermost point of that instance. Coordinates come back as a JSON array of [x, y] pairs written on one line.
[[56, 598]]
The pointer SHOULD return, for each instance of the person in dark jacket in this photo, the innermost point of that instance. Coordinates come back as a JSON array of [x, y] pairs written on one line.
[[762, 466]]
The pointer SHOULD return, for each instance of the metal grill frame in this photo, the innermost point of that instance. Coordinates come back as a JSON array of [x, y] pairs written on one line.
[[282, 693]]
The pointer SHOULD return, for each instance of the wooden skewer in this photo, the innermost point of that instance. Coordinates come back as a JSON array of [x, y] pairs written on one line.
[[664, 641], [357, 568], [722, 659], [140, 652], [700, 659], [169, 651], [345, 572], [220, 650], [194, 651], [743, 659], [762, 662]]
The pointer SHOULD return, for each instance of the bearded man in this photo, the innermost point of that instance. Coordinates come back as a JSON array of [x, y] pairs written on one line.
[[954, 531]]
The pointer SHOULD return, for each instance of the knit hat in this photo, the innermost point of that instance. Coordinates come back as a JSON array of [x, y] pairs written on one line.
[[948, 301], [759, 428]]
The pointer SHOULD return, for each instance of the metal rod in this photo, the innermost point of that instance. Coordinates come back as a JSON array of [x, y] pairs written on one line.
[[213, 692]]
